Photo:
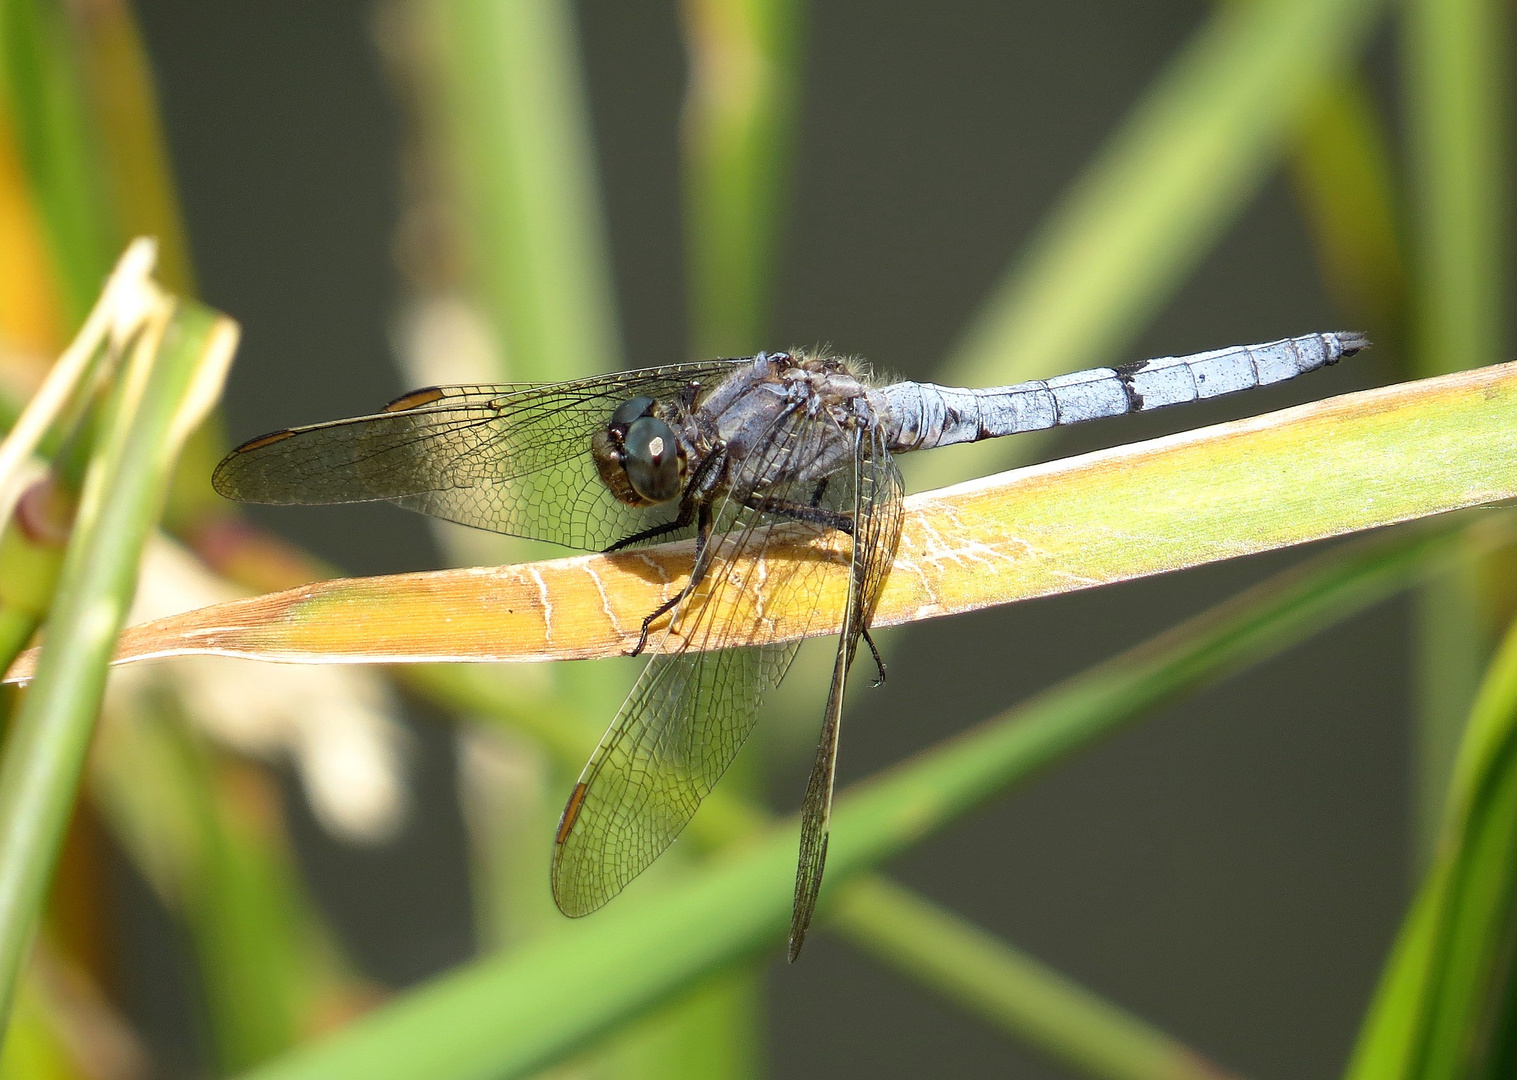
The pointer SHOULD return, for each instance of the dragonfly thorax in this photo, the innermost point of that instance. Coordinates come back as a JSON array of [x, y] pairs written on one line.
[[638, 455]]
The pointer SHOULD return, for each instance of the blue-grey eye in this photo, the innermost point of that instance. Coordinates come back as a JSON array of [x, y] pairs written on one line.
[[653, 462], [630, 410]]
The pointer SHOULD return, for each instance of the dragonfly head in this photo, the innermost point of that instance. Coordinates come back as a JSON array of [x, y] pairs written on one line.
[[639, 456]]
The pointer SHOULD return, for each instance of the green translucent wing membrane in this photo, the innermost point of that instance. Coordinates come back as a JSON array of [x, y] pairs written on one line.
[[510, 458]]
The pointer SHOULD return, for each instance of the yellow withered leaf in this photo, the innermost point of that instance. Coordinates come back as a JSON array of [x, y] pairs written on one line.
[[1323, 469]]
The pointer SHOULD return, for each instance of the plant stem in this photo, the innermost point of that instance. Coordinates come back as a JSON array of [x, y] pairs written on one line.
[[173, 376], [519, 134], [1457, 117]]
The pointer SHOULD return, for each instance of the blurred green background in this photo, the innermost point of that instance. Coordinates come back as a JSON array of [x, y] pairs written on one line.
[[1237, 881], [1234, 870]]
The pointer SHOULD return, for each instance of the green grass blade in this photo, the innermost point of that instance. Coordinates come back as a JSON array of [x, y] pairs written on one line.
[[64, 393], [172, 378], [259, 960], [33, 1049], [737, 149], [39, 87], [205, 829], [514, 120], [519, 128], [1390, 1028], [30, 558], [1083, 1029], [1457, 114], [1166, 184], [206, 833], [1438, 1012], [1341, 170], [1473, 953], [1470, 954], [118, 81], [519, 136], [508, 1016], [713, 1031], [255, 966], [739, 133]]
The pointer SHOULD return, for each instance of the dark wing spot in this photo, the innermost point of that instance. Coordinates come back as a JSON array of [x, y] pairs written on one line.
[[263, 440], [571, 812], [1128, 370], [415, 399]]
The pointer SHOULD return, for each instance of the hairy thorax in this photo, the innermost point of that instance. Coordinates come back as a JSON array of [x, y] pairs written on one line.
[[755, 413]]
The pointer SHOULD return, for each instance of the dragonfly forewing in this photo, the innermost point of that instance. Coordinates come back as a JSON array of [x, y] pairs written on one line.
[[511, 458]]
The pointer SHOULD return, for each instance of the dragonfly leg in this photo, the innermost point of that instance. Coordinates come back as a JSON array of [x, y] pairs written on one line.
[[879, 665], [662, 609], [816, 515], [697, 575], [654, 533]]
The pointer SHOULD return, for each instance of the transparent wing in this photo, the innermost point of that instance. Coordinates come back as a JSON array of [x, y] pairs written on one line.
[[877, 491], [691, 710], [513, 458]]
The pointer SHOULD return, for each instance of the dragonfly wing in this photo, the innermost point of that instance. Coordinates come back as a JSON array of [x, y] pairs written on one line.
[[512, 458], [692, 709], [876, 491], [680, 729]]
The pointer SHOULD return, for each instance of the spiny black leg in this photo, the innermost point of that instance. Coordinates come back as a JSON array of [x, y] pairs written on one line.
[[650, 534], [697, 575], [821, 489], [879, 665], [662, 609], [814, 515]]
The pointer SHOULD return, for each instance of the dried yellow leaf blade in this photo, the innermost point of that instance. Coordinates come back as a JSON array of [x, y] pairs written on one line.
[[560, 610], [1319, 470], [1324, 469]]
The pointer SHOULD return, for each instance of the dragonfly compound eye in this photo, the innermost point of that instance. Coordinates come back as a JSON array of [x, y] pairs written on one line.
[[631, 410], [653, 459]]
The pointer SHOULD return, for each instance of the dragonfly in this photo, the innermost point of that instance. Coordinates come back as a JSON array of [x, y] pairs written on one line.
[[733, 453]]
